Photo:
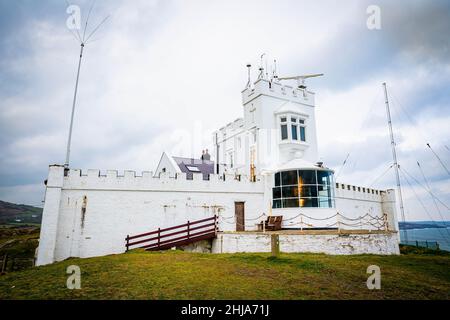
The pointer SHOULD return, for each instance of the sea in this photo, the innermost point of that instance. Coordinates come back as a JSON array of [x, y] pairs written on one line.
[[439, 235]]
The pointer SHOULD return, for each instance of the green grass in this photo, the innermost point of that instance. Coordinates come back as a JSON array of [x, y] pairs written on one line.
[[181, 275]]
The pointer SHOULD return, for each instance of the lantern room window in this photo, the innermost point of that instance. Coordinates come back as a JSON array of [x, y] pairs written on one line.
[[303, 188]]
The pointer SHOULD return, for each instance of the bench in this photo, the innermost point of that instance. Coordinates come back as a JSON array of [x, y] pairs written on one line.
[[272, 223]]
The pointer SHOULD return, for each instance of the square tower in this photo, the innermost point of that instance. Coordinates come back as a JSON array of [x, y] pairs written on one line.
[[278, 126]]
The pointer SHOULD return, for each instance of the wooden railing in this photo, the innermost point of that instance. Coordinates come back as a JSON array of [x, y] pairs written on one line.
[[182, 235]]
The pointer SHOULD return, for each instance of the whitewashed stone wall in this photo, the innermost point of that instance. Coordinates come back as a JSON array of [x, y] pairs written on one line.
[[345, 244], [90, 215]]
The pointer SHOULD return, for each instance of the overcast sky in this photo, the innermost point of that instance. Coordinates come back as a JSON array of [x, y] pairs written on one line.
[[161, 75]]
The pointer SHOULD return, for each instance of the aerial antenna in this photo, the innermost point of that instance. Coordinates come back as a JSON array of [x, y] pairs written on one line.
[[275, 71], [261, 68], [301, 79], [249, 82], [440, 161], [83, 40], [394, 156]]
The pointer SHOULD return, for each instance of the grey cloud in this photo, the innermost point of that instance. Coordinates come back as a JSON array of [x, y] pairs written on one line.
[[117, 106]]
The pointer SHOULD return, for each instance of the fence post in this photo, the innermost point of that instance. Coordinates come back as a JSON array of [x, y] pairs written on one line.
[[417, 243], [216, 223], [159, 238], [338, 222], [275, 244], [426, 243], [128, 241], [188, 229], [5, 259]]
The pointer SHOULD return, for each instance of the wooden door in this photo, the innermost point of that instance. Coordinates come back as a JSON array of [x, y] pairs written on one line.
[[240, 216]]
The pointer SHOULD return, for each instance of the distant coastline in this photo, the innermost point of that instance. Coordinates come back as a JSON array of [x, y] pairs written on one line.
[[409, 225]]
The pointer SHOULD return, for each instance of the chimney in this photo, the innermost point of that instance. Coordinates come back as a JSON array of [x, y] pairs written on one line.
[[206, 156]]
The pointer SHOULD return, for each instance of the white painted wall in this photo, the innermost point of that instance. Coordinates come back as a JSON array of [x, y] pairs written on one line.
[[168, 165], [117, 206], [121, 205], [345, 244], [262, 106]]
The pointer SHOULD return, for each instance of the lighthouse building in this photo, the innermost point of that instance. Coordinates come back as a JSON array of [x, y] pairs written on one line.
[[261, 166]]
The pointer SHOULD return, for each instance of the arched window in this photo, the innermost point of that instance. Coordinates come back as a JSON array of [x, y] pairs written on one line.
[[303, 188]]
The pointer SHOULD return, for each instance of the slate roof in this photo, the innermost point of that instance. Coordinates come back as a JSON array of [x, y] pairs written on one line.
[[187, 165]]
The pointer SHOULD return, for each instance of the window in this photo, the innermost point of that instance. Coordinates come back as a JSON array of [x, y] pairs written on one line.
[[294, 128], [284, 131], [307, 177], [193, 169], [303, 188], [297, 130], [302, 134]]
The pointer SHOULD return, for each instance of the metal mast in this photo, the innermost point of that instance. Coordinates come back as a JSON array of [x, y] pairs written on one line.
[[66, 163], [394, 156], [83, 41]]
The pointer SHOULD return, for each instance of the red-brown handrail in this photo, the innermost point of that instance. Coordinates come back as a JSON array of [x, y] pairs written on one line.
[[162, 240]]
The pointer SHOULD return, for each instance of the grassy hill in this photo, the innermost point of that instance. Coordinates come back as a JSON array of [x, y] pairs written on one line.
[[19, 214], [181, 275]]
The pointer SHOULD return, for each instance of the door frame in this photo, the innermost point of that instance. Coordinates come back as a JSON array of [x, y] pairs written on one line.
[[240, 220]]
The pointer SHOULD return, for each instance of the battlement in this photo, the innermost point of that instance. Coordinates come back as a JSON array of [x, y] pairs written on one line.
[[278, 90], [146, 181], [357, 192]]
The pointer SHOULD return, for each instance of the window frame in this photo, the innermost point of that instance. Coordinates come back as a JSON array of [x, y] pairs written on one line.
[[293, 121]]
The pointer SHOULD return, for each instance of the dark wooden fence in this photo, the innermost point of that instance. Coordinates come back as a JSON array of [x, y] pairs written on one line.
[[10, 263], [180, 235]]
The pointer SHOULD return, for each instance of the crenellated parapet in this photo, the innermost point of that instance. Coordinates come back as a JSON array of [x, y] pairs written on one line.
[[147, 181], [278, 90], [347, 191]]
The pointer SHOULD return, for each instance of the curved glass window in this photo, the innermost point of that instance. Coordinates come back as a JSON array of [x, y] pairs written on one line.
[[303, 188]]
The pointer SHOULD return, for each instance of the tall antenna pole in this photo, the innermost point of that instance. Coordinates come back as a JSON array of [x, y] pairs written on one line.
[[66, 163], [394, 156], [83, 41]]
